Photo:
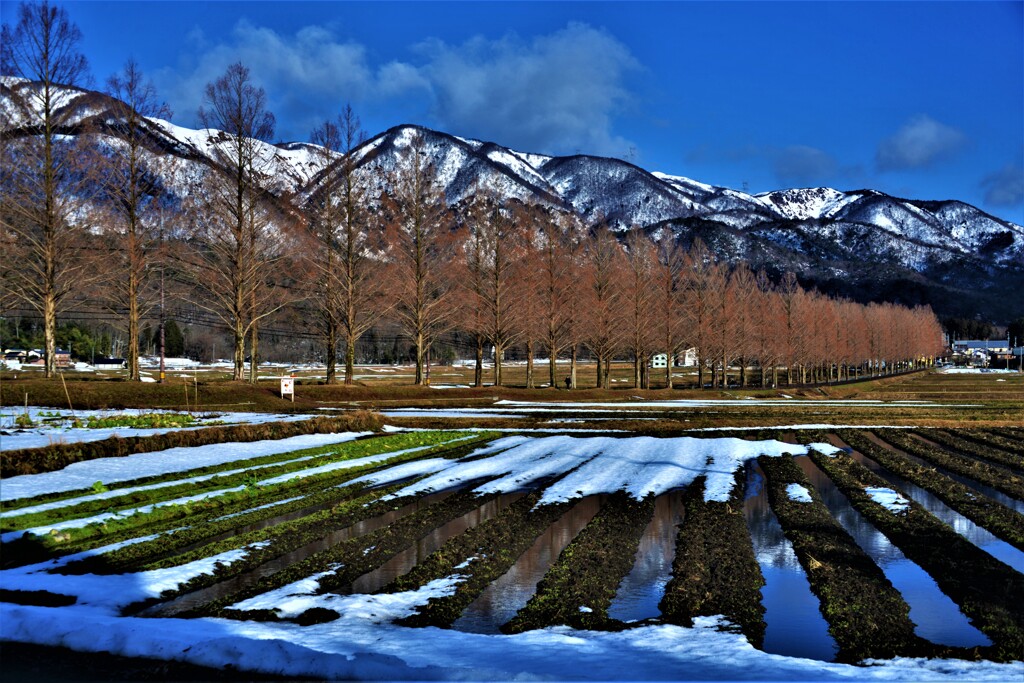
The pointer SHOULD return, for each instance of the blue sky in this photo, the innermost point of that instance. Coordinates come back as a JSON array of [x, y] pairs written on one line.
[[918, 99]]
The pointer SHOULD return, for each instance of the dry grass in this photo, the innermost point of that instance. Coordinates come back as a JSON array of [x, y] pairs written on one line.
[[988, 400]]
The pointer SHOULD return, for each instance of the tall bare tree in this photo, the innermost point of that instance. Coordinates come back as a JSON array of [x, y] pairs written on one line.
[[602, 300], [639, 294], [499, 238], [667, 313], [349, 289], [421, 248], [130, 188], [238, 246], [471, 275], [701, 273], [41, 177], [557, 284]]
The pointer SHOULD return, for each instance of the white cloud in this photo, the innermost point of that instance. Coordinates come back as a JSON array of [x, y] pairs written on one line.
[[803, 165], [557, 93], [554, 93], [1005, 187], [919, 143], [307, 76]]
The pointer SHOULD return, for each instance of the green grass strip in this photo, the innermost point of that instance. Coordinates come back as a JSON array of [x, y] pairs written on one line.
[[715, 570], [997, 477], [38, 548], [316, 457], [1000, 520], [989, 593], [59, 456], [589, 570]]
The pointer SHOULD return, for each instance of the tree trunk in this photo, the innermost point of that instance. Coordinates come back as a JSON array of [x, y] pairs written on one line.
[[499, 351], [552, 367], [350, 359], [420, 349], [254, 348], [331, 354], [50, 335], [133, 329], [529, 364], [572, 367], [239, 351], [478, 368]]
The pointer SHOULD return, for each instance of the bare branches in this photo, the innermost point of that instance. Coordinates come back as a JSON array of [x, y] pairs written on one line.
[[42, 176], [239, 246], [345, 252], [421, 247]]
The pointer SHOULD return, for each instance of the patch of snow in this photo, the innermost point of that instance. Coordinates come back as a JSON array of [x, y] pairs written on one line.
[[798, 493], [640, 466], [81, 475], [889, 499]]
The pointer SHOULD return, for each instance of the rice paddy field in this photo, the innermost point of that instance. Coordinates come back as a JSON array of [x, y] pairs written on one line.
[[871, 531]]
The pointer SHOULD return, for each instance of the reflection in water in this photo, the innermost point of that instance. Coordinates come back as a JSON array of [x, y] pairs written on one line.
[[404, 561], [795, 627], [508, 594], [233, 585], [937, 617], [983, 489], [999, 549], [642, 589]]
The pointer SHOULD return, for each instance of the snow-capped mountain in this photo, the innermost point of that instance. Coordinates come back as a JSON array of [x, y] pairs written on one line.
[[863, 243]]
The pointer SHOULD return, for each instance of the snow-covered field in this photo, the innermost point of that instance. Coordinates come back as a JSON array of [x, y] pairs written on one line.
[[364, 642], [53, 425]]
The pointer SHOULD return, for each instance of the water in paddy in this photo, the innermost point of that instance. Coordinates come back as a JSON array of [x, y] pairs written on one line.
[[794, 625], [937, 617], [983, 489], [500, 601], [202, 596], [996, 547], [403, 562], [642, 589]]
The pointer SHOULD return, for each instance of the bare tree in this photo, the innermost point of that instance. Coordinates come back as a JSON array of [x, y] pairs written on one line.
[[349, 289], [602, 301], [497, 246], [640, 294], [238, 246], [666, 305], [471, 275], [527, 283], [41, 176], [421, 247], [700, 275], [129, 188], [557, 285]]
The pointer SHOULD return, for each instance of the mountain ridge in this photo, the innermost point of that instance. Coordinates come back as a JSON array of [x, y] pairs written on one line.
[[947, 253]]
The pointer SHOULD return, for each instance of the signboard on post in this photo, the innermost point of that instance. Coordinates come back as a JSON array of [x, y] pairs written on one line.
[[288, 387]]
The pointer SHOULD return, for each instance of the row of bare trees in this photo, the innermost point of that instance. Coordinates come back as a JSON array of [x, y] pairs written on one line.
[[84, 216], [542, 280]]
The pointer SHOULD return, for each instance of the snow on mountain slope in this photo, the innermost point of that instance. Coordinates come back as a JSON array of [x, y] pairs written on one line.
[[790, 228], [803, 204]]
